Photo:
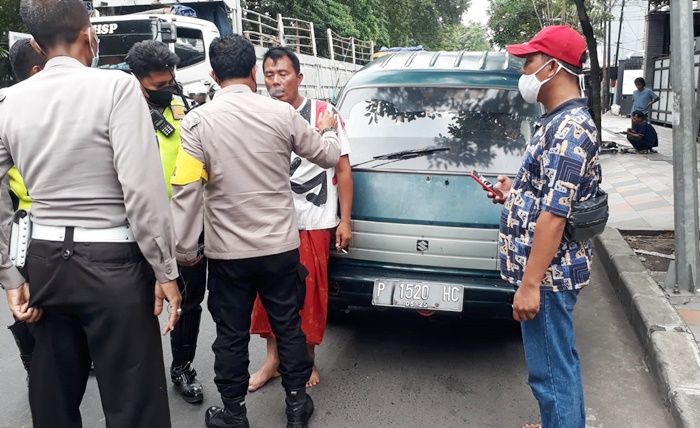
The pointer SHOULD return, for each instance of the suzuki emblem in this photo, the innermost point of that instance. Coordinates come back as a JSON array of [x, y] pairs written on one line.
[[422, 245]]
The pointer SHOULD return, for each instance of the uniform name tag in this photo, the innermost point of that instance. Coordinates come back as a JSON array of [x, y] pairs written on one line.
[[178, 112]]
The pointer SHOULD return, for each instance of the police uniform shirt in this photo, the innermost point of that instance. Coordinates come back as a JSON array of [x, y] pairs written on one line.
[[83, 140], [235, 156]]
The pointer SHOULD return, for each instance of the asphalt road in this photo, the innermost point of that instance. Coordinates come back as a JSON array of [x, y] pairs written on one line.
[[402, 370]]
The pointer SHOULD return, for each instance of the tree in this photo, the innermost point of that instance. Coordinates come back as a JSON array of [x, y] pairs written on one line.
[[594, 95], [472, 37], [421, 22], [513, 21], [386, 22], [9, 16], [370, 20]]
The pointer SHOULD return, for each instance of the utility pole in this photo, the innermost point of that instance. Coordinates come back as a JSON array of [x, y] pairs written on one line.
[[683, 273], [619, 33], [609, 48], [606, 59]]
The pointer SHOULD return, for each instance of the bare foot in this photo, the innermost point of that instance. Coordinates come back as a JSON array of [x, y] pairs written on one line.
[[314, 379], [532, 426], [266, 373]]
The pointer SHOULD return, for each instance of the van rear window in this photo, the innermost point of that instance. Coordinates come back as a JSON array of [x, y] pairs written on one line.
[[483, 129]]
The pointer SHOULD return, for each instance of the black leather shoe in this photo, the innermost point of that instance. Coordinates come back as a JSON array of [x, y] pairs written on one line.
[[233, 415], [186, 384], [300, 407]]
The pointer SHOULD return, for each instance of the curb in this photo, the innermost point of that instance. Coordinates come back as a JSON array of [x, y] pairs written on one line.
[[669, 347]]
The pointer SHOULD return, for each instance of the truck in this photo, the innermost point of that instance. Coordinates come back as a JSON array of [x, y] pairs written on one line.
[[189, 27]]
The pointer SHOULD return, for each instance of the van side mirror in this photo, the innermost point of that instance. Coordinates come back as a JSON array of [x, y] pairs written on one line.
[[168, 32]]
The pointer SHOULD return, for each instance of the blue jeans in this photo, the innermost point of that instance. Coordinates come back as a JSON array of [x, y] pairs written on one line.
[[552, 361]]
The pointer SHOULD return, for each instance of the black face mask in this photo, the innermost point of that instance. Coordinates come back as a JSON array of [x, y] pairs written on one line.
[[161, 97]]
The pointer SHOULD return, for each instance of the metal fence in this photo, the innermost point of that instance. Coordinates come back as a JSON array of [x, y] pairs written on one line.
[[261, 29], [349, 49], [299, 35]]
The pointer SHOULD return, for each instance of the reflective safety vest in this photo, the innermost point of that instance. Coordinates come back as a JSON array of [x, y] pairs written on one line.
[[19, 189], [170, 146]]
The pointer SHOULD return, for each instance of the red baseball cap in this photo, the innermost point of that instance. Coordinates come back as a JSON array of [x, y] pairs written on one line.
[[558, 41]]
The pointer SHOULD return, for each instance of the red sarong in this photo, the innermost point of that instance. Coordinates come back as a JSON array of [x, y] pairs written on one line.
[[314, 251]]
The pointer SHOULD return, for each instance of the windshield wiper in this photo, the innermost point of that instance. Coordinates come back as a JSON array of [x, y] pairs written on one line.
[[404, 154]]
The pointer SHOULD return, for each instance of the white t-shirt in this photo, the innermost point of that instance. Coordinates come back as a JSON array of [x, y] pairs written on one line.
[[314, 189]]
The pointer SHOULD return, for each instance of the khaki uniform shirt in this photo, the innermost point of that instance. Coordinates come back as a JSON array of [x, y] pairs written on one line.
[[235, 155], [83, 141]]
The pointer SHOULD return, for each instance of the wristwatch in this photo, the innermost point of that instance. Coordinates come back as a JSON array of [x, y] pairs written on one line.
[[324, 130]]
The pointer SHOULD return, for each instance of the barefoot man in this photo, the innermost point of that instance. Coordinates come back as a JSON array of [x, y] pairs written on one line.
[[316, 192]]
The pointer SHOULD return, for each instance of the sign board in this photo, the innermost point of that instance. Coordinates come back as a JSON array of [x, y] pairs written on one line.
[[13, 37], [628, 81]]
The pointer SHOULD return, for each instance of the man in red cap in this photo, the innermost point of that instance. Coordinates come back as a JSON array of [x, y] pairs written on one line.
[[545, 265]]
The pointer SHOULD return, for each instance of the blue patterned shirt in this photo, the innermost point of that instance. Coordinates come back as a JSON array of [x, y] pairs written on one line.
[[560, 165]]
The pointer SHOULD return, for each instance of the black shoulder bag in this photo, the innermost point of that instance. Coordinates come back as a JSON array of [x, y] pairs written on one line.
[[588, 218]]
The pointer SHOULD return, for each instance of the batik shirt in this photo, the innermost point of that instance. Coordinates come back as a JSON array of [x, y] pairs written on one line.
[[560, 166]]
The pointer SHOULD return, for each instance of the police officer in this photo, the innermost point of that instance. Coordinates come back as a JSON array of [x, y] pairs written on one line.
[[25, 61], [235, 160], [154, 64], [102, 232]]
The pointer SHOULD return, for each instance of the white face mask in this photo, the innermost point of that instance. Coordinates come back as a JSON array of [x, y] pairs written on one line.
[[95, 52], [530, 86]]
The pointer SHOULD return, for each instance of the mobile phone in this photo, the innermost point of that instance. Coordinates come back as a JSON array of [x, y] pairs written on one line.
[[485, 184]]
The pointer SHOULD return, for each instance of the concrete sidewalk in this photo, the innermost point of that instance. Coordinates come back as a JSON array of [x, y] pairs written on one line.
[[640, 187]]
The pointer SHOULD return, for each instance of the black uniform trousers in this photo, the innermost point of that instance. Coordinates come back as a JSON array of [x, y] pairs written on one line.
[[233, 285], [22, 333], [192, 283], [98, 302], [21, 330]]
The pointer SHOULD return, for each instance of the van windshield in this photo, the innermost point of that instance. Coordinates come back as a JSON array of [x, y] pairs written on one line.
[[484, 129]]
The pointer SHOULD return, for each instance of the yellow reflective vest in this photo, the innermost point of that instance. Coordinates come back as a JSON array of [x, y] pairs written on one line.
[[169, 148], [19, 189]]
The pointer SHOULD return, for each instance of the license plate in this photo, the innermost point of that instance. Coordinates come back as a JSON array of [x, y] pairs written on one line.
[[436, 296]]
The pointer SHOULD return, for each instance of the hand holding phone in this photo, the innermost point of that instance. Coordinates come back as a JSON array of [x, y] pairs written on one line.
[[497, 193]]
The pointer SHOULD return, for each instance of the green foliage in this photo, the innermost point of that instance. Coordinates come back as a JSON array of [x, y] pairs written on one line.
[[386, 22], [514, 21], [472, 37], [370, 20], [422, 22], [9, 16]]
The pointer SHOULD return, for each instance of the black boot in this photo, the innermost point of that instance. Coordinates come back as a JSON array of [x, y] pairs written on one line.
[[300, 407], [233, 415], [25, 342], [186, 383], [183, 340]]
